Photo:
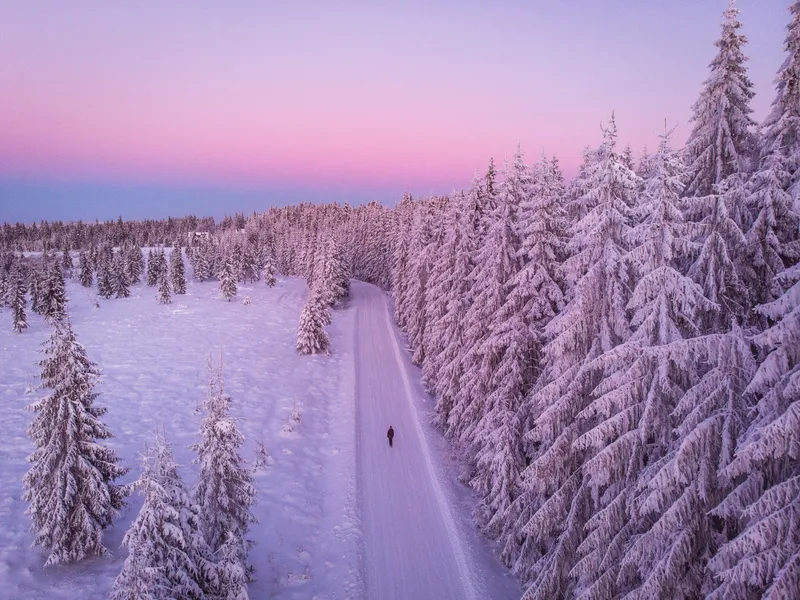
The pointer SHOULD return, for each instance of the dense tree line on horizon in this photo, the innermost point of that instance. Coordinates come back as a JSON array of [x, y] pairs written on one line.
[[616, 358]]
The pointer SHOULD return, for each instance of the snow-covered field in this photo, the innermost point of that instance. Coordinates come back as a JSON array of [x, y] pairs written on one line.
[[154, 362], [340, 516]]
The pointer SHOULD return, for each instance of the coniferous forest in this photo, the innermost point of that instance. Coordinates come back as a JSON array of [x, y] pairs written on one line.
[[614, 358]]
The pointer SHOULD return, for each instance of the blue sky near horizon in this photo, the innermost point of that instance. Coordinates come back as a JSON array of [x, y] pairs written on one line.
[[152, 109]]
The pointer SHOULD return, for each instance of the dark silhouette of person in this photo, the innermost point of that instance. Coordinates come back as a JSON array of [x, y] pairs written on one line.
[[390, 435]]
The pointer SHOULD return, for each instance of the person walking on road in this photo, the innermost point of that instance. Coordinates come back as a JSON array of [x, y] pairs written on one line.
[[390, 435]]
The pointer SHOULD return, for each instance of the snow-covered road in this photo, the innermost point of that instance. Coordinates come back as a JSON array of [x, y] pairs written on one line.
[[412, 547]]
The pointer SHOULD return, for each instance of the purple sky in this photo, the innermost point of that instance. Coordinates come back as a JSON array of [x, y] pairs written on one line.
[[148, 109]]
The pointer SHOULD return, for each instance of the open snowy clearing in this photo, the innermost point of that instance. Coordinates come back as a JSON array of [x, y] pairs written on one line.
[[323, 419]]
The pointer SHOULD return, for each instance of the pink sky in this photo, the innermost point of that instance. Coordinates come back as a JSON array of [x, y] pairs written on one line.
[[315, 94]]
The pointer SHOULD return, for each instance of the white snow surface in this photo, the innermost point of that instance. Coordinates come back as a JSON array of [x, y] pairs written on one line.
[[341, 515]]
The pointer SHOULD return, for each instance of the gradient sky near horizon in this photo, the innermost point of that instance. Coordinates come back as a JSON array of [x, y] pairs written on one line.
[[151, 108]]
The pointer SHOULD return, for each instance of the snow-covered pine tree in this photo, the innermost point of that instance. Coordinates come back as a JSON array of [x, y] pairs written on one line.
[[202, 266], [764, 559], [721, 142], [135, 264], [152, 267], [87, 276], [422, 246], [403, 215], [269, 270], [227, 279], [66, 260], [249, 268], [496, 264], [537, 293], [315, 316], [627, 424], [236, 258], [224, 492], [491, 426], [164, 292], [37, 287], [471, 230], [70, 483], [231, 570], [17, 301], [558, 499], [538, 287], [440, 286], [54, 297], [167, 555], [772, 240], [119, 276], [177, 270], [104, 287]]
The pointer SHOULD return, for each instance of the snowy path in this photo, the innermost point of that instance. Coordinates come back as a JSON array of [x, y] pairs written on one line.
[[412, 548]]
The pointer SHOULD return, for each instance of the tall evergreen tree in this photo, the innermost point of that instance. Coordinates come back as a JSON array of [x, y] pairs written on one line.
[[594, 321], [105, 288], [119, 276], [87, 277], [315, 316], [163, 296], [269, 271], [227, 279], [54, 297], [224, 491], [167, 555], [177, 270], [70, 483], [721, 143], [17, 300], [152, 267]]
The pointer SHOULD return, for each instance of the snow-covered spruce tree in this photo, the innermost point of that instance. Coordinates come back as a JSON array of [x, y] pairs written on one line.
[[177, 270], [36, 289], [492, 430], [53, 294], [227, 279], [104, 287], [249, 268], [236, 258], [471, 230], [152, 267], [423, 245], [403, 216], [772, 240], [135, 265], [70, 483], [119, 276], [66, 260], [558, 502], [269, 271], [719, 264], [627, 424], [721, 142], [537, 291], [17, 301], [231, 570], [202, 266], [538, 287], [224, 492], [440, 286], [87, 276], [164, 292], [315, 316], [167, 555], [763, 561]]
